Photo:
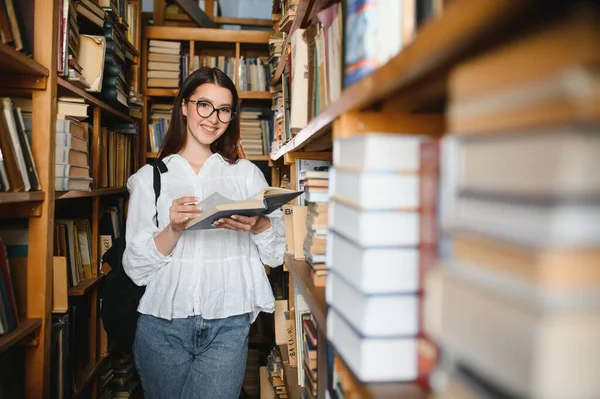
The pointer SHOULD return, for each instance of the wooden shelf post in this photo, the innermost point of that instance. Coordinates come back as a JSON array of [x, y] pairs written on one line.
[[39, 262]]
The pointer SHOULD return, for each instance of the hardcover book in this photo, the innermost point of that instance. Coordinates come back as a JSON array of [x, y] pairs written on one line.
[[217, 206]]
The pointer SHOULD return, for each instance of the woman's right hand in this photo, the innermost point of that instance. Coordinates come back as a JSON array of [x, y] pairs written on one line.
[[180, 213]]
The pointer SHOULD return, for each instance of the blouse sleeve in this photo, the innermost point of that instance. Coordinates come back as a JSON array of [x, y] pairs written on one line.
[[141, 259], [271, 242]]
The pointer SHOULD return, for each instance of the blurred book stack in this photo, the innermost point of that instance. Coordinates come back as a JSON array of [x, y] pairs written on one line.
[[164, 64], [160, 117], [316, 186], [519, 310], [378, 248], [254, 132]]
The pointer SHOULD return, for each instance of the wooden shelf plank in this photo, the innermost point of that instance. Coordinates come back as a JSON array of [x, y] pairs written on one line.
[[315, 296], [463, 26], [96, 192], [255, 95], [25, 328], [19, 197], [156, 92], [244, 95], [85, 286], [206, 35], [15, 62], [181, 17], [70, 89]]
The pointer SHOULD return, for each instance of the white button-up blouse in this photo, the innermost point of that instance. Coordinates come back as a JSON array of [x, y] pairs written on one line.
[[215, 273]]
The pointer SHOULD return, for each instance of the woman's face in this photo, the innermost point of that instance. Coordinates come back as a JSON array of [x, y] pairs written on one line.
[[208, 112]]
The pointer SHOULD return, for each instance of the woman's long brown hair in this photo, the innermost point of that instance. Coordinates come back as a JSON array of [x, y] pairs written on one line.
[[228, 145]]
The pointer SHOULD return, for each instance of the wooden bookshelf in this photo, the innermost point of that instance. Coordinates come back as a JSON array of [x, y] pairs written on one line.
[[37, 78], [463, 28], [314, 296], [219, 41], [68, 89], [26, 327]]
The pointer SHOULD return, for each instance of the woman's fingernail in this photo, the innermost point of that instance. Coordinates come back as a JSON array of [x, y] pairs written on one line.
[[234, 217]]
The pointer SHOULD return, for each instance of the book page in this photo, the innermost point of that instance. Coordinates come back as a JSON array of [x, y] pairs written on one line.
[[213, 200]]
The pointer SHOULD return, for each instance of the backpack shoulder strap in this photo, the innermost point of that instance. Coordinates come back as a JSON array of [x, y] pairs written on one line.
[[159, 168]]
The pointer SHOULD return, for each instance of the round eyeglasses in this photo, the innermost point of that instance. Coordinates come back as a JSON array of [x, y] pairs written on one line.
[[205, 109]]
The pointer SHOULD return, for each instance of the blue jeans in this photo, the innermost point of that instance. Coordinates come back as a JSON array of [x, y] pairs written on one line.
[[192, 357]]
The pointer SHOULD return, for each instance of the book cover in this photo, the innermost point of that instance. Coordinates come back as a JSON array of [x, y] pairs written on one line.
[[217, 206]]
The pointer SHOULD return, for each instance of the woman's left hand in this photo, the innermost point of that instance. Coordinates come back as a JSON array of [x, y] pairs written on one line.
[[253, 224]]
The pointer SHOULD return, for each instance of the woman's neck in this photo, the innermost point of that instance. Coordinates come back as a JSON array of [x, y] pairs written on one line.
[[196, 155]]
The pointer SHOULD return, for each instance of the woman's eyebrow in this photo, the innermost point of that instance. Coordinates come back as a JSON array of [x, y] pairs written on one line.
[[210, 101]]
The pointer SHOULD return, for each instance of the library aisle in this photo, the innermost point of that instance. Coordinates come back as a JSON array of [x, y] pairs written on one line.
[[444, 242]]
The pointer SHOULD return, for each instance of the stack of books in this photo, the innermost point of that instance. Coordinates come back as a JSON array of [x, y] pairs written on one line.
[[164, 64], [378, 247], [72, 166], [316, 186]]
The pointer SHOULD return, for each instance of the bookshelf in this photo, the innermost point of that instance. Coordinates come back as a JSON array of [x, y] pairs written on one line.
[[36, 78], [411, 92], [203, 42]]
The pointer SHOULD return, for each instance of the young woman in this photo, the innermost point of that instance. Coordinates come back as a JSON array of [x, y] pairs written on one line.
[[204, 288]]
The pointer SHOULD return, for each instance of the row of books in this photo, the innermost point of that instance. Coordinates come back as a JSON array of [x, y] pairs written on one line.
[[160, 117], [9, 317], [16, 24], [346, 44], [17, 165], [517, 310]]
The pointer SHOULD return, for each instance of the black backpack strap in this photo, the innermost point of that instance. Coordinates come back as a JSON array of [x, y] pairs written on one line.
[[159, 168]]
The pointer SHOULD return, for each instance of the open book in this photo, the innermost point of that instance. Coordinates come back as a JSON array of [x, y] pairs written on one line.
[[216, 206]]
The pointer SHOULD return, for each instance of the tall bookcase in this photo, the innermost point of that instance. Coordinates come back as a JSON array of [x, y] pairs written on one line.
[[412, 93], [217, 42], [37, 78]]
